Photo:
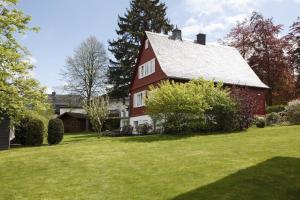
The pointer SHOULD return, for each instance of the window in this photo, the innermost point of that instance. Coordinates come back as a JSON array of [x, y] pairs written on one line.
[[147, 68], [139, 99], [146, 44]]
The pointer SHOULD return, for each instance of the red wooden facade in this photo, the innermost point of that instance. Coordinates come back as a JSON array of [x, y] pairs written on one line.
[[143, 84]]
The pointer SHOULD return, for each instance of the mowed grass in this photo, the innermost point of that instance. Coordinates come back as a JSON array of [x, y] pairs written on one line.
[[256, 164]]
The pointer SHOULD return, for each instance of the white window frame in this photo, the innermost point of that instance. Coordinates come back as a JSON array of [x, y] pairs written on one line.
[[147, 68], [139, 99]]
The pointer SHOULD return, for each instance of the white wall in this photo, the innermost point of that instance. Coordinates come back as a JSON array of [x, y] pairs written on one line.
[[73, 110]]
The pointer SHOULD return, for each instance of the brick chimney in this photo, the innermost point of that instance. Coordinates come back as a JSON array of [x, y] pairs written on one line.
[[201, 39], [176, 34]]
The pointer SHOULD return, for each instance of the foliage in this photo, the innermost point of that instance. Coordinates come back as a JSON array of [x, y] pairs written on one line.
[[276, 108], [111, 124], [293, 112], [191, 106], [144, 128], [143, 15], [85, 72], [246, 106], [19, 91], [30, 132], [260, 122], [272, 118], [126, 130], [55, 131], [97, 111], [294, 39], [258, 41]]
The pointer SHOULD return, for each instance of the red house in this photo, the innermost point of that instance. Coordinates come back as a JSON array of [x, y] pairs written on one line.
[[169, 57]]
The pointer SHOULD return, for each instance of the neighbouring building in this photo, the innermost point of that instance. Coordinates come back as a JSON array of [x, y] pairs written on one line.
[[169, 57], [63, 103], [69, 109], [73, 122]]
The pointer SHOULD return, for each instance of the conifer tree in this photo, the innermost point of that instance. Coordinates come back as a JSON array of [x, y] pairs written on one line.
[[143, 15]]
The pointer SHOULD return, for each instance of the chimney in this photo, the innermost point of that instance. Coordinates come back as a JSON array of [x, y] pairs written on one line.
[[201, 39], [176, 34]]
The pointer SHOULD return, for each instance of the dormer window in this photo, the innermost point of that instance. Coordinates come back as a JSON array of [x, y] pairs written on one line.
[[146, 44], [147, 68]]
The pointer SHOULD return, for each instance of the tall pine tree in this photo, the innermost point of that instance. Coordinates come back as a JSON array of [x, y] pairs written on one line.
[[143, 15]]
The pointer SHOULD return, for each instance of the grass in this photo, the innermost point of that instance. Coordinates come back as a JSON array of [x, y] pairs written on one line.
[[257, 164]]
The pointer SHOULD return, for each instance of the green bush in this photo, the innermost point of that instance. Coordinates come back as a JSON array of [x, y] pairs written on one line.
[[126, 130], [293, 112], [193, 106], [144, 128], [30, 132], [55, 131], [272, 118], [111, 124], [276, 109], [260, 123]]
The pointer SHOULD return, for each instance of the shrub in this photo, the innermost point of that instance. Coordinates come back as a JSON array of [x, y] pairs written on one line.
[[30, 132], [55, 131], [144, 128], [276, 109], [295, 119], [126, 130], [272, 118], [260, 123], [293, 112], [111, 124], [192, 106], [223, 118], [246, 106]]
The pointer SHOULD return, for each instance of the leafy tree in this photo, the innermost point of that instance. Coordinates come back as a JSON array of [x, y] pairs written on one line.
[[294, 38], [85, 72], [143, 15], [97, 111], [258, 41], [19, 91]]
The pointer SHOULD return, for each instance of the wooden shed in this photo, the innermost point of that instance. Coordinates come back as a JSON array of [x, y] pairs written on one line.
[[73, 122], [4, 134]]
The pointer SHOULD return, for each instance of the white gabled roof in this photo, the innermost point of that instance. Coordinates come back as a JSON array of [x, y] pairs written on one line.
[[189, 60]]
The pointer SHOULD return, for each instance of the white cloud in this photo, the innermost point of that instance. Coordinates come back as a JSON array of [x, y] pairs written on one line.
[[218, 6], [214, 17]]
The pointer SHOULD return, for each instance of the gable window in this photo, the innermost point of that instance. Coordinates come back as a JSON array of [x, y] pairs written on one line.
[[147, 44], [139, 99], [147, 68]]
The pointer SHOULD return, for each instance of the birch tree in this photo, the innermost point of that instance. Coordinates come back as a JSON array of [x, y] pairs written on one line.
[[97, 110]]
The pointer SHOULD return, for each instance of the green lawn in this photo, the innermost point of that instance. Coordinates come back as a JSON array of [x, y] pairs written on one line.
[[257, 164]]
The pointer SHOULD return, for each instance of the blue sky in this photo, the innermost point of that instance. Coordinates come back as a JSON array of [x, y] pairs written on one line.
[[66, 23]]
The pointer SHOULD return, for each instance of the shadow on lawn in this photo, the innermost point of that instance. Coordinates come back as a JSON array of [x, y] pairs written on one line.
[[274, 179]]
